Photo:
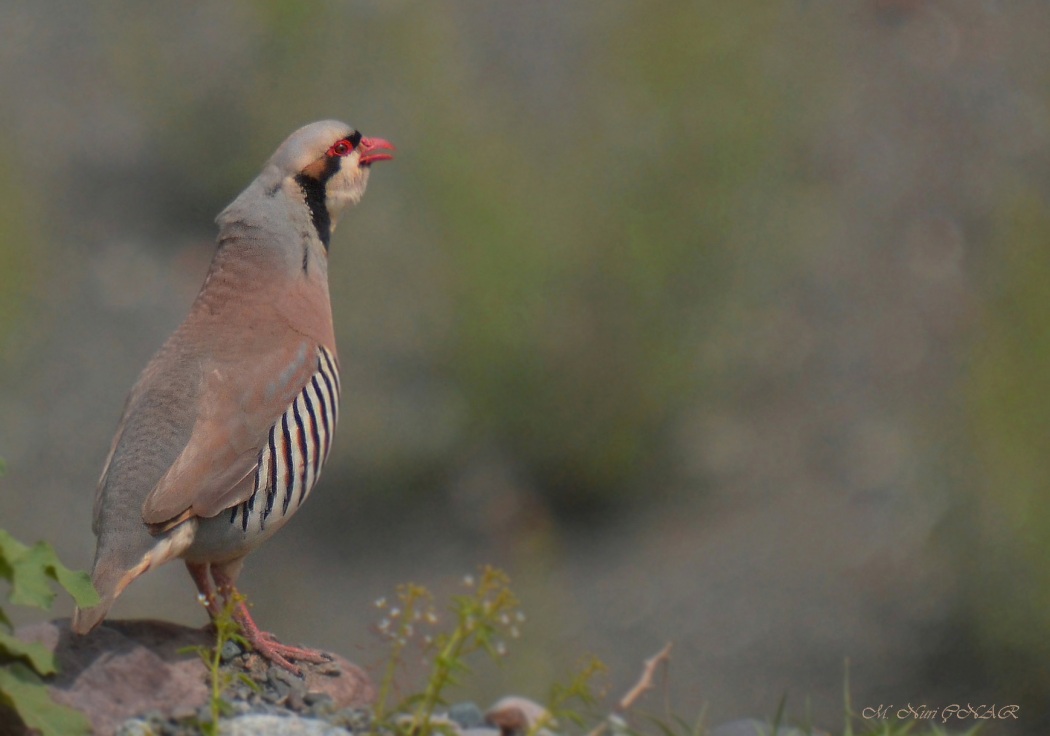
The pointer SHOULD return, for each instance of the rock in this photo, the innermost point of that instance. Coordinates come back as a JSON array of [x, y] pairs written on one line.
[[467, 715], [125, 669], [135, 728], [263, 725], [514, 715], [230, 650]]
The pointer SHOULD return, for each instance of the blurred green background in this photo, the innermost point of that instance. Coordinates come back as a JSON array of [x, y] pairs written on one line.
[[720, 323]]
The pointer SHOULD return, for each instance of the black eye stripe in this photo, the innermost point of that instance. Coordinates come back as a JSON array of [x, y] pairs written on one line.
[[348, 142], [313, 186]]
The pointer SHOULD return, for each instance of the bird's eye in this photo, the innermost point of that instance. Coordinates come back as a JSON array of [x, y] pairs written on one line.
[[341, 148]]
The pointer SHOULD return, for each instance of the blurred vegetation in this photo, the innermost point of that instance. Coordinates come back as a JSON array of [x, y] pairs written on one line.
[[1009, 386], [585, 284], [30, 574], [582, 281]]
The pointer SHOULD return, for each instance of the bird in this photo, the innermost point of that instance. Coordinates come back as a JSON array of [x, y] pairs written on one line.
[[224, 434]]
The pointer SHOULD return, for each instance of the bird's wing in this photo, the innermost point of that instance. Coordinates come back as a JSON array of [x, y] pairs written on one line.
[[238, 404]]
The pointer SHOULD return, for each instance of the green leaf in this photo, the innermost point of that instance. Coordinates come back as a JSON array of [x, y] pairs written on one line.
[[23, 690], [77, 583], [31, 570], [10, 548], [5, 622], [245, 680], [36, 654]]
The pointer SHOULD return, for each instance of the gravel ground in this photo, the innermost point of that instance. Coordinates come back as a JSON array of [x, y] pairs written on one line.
[[267, 700], [263, 699]]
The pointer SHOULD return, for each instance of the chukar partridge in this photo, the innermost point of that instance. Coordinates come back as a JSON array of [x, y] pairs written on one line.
[[224, 435]]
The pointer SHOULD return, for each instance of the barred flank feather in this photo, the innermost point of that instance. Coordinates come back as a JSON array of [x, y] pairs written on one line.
[[298, 445]]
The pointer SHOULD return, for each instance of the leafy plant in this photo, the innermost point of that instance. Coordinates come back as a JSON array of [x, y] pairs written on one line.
[[220, 679], [559, 703], [481, 616], [398, 627], [31, 572]]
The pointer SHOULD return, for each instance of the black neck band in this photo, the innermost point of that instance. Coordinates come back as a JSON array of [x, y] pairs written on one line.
[[314, 191]]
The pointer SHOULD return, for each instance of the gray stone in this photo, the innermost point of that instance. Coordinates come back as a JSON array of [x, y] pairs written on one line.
[[314, 700], [467, 715], [136, 728], [230, 650], [267, 725]]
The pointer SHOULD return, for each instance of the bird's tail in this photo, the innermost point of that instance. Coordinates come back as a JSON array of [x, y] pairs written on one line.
[[86, 619], [112, 574], [109, 580]]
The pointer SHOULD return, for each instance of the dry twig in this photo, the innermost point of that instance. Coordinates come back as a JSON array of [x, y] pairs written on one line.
[[644, 684]]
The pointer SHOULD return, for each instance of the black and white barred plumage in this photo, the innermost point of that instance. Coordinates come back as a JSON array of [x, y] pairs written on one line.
[[298, 444]]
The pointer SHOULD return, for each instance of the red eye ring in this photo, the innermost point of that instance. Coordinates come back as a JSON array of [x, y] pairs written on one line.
[[341, 148]]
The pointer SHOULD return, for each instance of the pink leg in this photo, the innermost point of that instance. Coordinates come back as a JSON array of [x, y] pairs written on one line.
[[199, 573], [262, 642]]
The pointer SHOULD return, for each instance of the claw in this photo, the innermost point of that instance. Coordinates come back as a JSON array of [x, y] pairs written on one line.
[[269, 648], [262, 642]]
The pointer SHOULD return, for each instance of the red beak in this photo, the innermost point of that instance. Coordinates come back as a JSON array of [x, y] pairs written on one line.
[[368, 148]]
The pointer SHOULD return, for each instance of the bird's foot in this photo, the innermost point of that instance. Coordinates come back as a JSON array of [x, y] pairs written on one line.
[[283, 655], [262, 642]]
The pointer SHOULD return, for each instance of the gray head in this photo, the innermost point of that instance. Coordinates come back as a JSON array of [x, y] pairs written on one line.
[[324, 165]]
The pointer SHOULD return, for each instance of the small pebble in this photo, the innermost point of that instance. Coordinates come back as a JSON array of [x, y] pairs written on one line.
[[514, 714], [281, 689], [230, 651], [312, 698], [321, 707], [279, 674], [294, 701], [467, 715], [358, 720], [135, 727]]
